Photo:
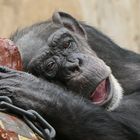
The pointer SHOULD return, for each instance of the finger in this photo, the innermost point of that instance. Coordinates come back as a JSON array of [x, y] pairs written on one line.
[[6, 75], [6, 72], [4, 69]]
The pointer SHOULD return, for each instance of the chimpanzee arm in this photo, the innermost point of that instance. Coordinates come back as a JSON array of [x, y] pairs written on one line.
[[73, 117]]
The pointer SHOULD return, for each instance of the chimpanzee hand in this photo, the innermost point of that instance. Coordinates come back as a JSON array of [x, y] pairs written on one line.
[[24, 89]]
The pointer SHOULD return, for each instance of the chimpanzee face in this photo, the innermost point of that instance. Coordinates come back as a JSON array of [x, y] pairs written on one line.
[[59, 52]]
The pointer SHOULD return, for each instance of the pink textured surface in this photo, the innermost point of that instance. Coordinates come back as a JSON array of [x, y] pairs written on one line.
[[9, 55]]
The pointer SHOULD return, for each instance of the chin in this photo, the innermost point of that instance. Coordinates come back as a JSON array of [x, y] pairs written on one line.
[[117, 93]]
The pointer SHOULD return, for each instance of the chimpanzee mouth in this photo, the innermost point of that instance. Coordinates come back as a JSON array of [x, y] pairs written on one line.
[[101, 94]]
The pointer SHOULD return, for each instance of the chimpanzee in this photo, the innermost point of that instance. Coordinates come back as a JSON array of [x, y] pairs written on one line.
[[58, 51], [72, 87]]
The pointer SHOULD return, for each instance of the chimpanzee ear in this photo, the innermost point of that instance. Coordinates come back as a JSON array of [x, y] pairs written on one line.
[[69, 22]]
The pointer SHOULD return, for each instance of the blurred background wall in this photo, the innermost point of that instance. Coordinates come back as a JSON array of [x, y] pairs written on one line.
[[119, 19]]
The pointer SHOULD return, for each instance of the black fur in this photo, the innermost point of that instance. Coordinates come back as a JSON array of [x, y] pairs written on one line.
[[75, 117], [72, 117]]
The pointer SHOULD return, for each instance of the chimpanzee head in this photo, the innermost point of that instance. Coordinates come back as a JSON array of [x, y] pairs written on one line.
[[57, 50]]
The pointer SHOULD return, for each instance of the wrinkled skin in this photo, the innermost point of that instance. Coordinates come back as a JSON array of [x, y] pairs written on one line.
[[58, 51], [55, 97]]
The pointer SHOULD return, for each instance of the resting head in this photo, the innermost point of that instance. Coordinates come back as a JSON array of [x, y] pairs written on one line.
[[57, 50]]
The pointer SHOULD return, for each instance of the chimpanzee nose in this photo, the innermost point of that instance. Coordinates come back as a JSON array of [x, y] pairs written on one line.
[[72, 65]]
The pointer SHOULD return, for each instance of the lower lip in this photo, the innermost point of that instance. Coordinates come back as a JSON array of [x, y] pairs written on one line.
[[105, 97]]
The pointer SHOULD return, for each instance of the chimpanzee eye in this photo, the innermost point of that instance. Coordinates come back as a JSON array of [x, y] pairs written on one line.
[[50, 65], [67, 44]]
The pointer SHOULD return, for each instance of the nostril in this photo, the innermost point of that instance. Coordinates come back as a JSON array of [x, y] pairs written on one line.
[[73, 66], [80, 62]]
